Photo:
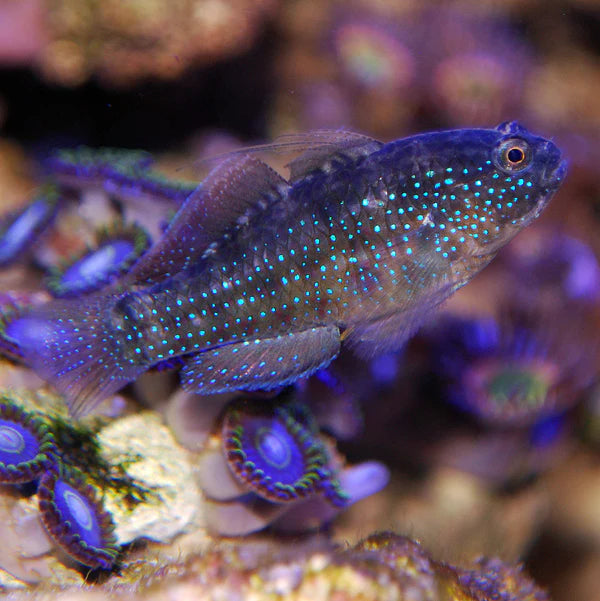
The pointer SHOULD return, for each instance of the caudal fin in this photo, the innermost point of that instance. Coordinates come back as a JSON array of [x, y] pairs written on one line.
[[72, 345]]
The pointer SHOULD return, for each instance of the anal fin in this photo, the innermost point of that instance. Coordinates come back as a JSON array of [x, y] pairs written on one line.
[[261, 364]]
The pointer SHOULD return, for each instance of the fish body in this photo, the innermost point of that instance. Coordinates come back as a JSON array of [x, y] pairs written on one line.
[[258, 280]]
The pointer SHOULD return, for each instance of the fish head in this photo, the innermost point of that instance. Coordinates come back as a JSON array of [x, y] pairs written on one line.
[[532, 168], [491, 183]]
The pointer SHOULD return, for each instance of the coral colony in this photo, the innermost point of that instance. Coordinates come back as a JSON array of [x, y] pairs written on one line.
[[69, 508]]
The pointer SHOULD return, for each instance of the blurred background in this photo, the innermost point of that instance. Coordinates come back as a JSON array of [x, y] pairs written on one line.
[[490, 419]]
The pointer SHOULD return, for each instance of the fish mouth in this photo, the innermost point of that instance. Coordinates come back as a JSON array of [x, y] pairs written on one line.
[[559, 173], [551, 182], [553, 178]]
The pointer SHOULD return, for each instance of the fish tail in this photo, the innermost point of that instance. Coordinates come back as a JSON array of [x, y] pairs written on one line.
[[76, 346]]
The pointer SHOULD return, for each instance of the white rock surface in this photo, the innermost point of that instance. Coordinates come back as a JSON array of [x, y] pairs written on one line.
[[149, 453]]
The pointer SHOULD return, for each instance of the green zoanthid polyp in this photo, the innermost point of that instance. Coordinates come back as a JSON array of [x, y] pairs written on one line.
[[259, 280]]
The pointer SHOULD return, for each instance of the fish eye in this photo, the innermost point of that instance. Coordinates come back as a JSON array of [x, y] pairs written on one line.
[[513, 154]]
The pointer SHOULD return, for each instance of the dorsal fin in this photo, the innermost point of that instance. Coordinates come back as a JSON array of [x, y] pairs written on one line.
[[320, 146], [316, 148], [237, 185]]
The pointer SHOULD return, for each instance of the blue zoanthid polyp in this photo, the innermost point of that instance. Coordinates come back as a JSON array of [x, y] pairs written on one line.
[[517, 369], [268, 465], [116, 250], [258, 280], [124, 174], [75, 518], [277, 456], [21, 227], [27, 447]]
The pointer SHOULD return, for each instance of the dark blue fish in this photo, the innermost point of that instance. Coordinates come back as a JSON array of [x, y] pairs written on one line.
[[259, 280]]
